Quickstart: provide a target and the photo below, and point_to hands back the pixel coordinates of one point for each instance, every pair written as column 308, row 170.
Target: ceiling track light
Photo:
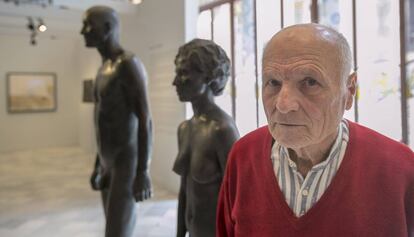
column 41, row 26
column 135, row 2
column 34, row 29
column 42, row 3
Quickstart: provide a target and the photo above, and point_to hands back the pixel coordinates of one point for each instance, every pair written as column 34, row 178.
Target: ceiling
column 62, row 17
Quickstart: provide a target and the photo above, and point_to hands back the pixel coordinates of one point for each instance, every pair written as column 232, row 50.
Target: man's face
column 304, row 95
column 189, row 81
column 93, row 31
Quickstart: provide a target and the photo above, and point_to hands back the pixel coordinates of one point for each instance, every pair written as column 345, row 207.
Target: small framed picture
column 88, row 88
column 31, row 92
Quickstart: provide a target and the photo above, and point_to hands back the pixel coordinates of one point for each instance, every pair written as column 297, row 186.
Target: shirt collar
column 281, row 152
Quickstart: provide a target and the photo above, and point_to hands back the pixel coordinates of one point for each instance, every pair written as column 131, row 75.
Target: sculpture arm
column 96, row 177
column 138, row 99
column 226, row 136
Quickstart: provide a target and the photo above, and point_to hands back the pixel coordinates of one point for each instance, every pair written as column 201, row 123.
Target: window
column 222, row 36
column 243, row 27
column 268, row 23
column 409, row 57
column 296, row 12
column 244, row 62
column 338, row 15
column 378, row 49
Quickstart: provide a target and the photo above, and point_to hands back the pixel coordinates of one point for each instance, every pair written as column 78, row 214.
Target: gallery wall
column 87, row 62
column 154, row 34
column 37, row 130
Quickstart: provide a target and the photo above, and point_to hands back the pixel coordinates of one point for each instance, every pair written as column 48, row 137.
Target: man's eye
column 309, row 81
column 274, row 83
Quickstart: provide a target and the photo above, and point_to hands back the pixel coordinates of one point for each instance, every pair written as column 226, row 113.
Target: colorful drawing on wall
column 31, row 92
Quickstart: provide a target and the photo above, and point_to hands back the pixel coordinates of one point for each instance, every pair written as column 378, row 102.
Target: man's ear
column 351, row 89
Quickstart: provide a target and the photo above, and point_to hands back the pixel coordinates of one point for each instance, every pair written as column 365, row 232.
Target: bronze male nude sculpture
column 202, row 70
column 122, row 124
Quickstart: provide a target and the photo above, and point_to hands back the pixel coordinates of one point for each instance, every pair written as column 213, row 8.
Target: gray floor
column 46, row 193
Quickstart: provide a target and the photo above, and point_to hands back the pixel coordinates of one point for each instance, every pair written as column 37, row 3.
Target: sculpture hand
column 142, row 186
column 95, row 180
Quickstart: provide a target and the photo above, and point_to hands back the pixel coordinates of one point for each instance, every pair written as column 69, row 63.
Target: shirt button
column 305, row 192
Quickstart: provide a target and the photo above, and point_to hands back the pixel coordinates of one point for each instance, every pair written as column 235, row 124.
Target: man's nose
column 287, row 100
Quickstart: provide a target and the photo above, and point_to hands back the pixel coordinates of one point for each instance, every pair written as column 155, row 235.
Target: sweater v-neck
column 330, row 193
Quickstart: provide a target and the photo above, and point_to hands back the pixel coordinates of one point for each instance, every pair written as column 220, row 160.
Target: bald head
column 330, row 44
column 100, row 26
column 103, row 14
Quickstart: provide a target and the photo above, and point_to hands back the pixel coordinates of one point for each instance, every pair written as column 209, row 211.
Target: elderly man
column 122, row 124
column 310, row 172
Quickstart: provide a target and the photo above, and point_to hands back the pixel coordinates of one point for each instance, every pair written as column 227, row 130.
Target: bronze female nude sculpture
column 202, row 70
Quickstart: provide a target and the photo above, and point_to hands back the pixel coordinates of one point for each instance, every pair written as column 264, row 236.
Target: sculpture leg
column 121, row 209
column 204, row 205
column 104, row 196
column 181, row 227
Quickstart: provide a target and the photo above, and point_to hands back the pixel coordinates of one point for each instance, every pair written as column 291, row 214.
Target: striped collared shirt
column 302, row 193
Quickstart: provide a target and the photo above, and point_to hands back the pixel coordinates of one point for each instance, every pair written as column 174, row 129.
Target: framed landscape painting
column 31, row 92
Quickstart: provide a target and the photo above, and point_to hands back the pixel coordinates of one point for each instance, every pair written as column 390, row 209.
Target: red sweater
column 371, row 195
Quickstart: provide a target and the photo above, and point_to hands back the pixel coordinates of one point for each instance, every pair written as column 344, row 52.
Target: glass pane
column 410, row 68
column 268, row 23
column 245, row 66
column 204, row 2
column 203, row 32
column 221, row 35
column 338, row 15
column 378, row 73
column 296, row 12
column 410, row 95
column 204, row 25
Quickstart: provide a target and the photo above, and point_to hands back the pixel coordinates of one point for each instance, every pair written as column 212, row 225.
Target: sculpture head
column 100, row 25
column 202, row 67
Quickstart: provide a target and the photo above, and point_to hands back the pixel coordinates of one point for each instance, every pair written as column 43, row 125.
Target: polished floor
column 46, row 193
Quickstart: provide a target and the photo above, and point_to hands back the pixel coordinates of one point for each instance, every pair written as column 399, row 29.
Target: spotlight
column 41, row 27
column 136, row 2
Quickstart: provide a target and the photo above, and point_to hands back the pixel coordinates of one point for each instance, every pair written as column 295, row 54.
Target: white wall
column 37, row 130
column 155, row 34
column 88, row 61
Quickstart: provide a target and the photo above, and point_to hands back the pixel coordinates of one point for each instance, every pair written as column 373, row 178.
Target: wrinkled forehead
column 306, row 41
